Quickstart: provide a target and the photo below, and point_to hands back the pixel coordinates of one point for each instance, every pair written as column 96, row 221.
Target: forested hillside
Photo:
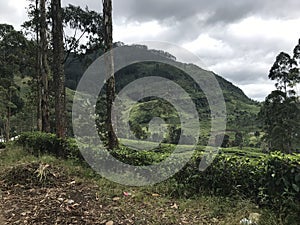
column 241, row 111
column 84, row 140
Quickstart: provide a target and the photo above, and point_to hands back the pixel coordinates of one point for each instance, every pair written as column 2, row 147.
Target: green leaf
column 286, row 183
column 297, row 178
column 296, row 188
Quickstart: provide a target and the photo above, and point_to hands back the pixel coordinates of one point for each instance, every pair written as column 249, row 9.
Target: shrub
column 2, row 145
column 38, row 143
column 272, row 180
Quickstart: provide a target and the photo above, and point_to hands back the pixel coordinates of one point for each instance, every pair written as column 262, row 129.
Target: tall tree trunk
column 58, row 69
column 7, row 125
column 109, row 67
column 8, row 114
column 37, row 68
column 44, row 69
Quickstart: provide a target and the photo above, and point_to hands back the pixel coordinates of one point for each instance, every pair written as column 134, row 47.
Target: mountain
column 241, row 111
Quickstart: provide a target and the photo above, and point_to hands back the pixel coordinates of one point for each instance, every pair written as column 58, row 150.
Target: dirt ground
column 43, row 194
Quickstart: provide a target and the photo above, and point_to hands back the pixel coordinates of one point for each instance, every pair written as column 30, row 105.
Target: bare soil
column 44, row 194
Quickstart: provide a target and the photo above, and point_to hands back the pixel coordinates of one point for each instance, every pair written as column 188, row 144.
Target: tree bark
column 44, row 69
column 58, row 69
column 7, row 125
column 109, row 67
column 38, row 73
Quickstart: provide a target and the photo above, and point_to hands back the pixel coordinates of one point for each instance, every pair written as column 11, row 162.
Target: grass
column 151, row 204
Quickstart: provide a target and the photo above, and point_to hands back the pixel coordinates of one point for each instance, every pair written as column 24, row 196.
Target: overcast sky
column 237, row 39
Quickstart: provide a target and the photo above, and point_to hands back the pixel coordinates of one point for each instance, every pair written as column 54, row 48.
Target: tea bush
column 272, row 180
column 2, row 145
column 38, row 143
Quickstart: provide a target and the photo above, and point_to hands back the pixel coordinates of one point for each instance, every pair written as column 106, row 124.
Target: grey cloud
column 187, row 19
column 242, row 74
column 224, row 11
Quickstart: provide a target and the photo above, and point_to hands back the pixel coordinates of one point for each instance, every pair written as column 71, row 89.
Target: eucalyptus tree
column 44, row 68
column 280, row 111
column 14, row 58
column 110, row 91
column 68, row 27
column 58, row 68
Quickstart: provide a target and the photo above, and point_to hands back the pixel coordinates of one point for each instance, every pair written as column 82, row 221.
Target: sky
column 239, row 40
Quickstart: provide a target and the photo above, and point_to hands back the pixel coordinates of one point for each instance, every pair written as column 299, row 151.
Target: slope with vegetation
column 70, row 192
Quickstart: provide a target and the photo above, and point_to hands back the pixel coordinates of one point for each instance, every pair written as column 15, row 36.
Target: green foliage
column 281, row 121
column 39, row 143
column 222, row 140
column 15, row 56
column 281, row 110
column 238, row 140
column 241, row 111
column 173, row 134
column 141, row 158
column 285, row 72
column 2, row 145
column 272, row 180
column 86, row 21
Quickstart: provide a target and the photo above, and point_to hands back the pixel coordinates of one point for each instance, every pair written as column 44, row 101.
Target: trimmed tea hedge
column 39, row 143
column 272, row 180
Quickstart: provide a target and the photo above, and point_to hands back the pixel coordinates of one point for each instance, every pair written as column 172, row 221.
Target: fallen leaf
column 110, row 223
column 126, row 193
column 74, row 206
column 215, row 220
column 116, row 199
column 155, row 195
column 70, row 201
column 175, row 206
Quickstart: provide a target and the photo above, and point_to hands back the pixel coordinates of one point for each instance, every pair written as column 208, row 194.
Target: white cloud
column 136, row 32
column 258, row 91
column 13, row 12
column 253, row 27
column 206, row 46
